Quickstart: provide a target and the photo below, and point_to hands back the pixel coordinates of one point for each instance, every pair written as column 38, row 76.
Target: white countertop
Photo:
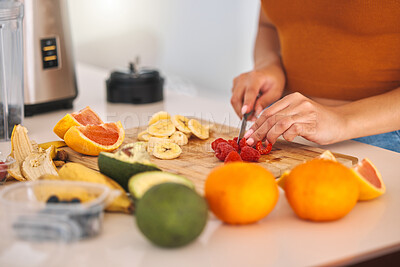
column 281, row 239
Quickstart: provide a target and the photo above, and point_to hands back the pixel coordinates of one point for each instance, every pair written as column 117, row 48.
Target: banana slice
column 161, row 128
column 166, row 151
column 179, row 138
column 198, row 130
column 161, row 115
column 156, row 140
column 181, row 123
column 143, row 136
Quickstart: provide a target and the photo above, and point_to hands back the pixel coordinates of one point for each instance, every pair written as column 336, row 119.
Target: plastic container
column 5, row 163
column 11, row 67
column 27, row 216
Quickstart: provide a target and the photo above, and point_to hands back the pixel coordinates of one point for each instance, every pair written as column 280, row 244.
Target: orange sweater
column 338, row 49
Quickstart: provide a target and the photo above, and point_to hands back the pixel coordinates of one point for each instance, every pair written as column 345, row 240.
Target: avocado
column 131, row 159
column 140, row 183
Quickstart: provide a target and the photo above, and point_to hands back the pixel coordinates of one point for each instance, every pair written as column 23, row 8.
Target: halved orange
column 93, row 139
column 83, row 117
column 369, row 180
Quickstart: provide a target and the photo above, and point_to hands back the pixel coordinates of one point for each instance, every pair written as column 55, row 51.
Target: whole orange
column 321, row 190
column 241, row 193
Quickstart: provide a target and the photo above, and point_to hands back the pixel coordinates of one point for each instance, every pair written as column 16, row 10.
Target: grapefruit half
column 93, row 139
column 83, row 117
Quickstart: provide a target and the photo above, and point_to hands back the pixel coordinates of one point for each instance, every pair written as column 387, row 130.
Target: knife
column 243, row 125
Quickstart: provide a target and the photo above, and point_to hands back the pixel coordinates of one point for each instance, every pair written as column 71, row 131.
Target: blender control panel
column 49, row 53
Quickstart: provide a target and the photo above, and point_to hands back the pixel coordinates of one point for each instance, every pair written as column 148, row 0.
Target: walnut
column 62, row 155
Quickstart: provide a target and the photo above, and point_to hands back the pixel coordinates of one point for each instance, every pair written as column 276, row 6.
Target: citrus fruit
column 369, row 180
column 93, row 139
column 321, row 190
column 83, row 117
column 171, row 215
column 282, row 179
column 241, row 193
column 141, row 182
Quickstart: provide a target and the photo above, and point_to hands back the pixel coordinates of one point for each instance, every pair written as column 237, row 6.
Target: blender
column 11, row 72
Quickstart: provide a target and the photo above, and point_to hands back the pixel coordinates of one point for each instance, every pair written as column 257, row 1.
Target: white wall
column 205, row 41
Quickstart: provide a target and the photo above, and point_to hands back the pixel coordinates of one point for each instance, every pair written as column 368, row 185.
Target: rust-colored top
column 341, row 49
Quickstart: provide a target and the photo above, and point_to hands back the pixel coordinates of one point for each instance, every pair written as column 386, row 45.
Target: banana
column 37, row 164
column 144, row 136
column 21, row 147
column 56, row 144
column 181, row 123
column 179, row 138
column 78, row 172
column 155, row 140
column 166, row 151
column 162, row 128
column 44, row 192
column 161, row 115
column 198, row 129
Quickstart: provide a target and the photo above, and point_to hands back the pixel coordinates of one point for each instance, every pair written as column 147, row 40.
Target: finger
column 263, row 126
column 237, row 99
column 278, row 107
column 298, row 129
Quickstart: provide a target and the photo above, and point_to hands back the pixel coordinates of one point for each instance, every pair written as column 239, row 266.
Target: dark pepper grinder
column 135, row 86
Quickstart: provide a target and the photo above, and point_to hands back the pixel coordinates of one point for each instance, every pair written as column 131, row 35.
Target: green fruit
column 171, row 215
column 130, row 160
column 140, row 183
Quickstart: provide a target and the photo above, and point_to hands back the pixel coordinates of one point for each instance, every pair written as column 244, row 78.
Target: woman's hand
column 296, row 115
column 269, row 82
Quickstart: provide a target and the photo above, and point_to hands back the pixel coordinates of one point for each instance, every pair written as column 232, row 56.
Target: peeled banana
column 181, row 123
column 162, row 128
column 78, row 172
column 198, row 129
column 38, row 164
column 144, row 136
column 166, row 150
column 179, row 138
column 161, row 115
column 156, row 140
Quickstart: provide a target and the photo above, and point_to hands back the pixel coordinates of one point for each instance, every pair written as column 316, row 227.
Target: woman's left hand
column 296, row 115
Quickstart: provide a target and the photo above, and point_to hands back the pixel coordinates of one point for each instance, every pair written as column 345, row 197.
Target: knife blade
column 243, row 126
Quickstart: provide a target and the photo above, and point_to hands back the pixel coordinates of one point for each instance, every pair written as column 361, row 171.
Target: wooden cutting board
column 197, row 158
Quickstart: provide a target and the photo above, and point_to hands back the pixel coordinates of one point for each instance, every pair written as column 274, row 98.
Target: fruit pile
column 230, row 150
column 318, row 190
column 166, row 134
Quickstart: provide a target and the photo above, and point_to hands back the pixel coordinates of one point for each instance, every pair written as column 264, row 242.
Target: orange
column 93, row 139
column 321, row 190
column 83, row 117
column 369, row 180
column 241, row 193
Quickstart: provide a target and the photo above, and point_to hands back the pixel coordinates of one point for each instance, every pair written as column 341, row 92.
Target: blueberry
column 75, row 200
column 53, row 199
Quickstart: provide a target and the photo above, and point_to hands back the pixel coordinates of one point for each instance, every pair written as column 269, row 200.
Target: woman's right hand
column 268, row 82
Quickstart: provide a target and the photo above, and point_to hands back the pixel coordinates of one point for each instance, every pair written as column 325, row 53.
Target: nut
column 62, row 155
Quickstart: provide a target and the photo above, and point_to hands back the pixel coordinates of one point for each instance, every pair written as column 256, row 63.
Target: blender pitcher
column 11, row 68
